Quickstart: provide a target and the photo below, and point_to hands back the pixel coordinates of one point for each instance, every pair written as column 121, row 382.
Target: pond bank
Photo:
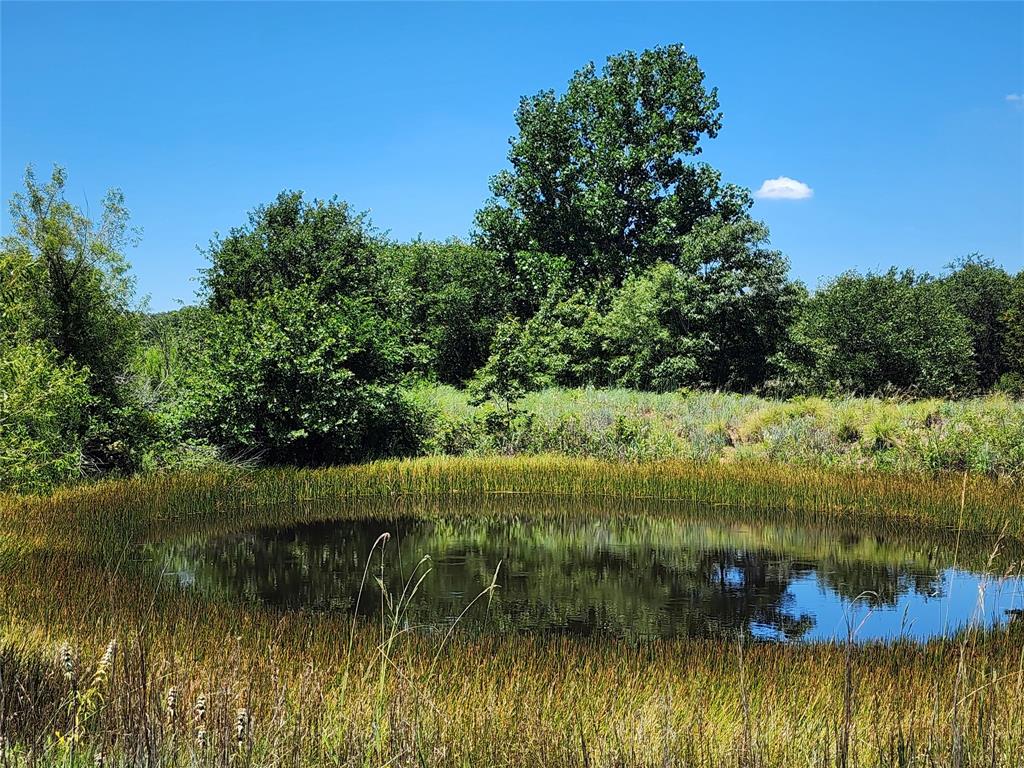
column 126, row 507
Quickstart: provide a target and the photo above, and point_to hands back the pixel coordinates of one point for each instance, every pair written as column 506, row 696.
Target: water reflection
column 620, row 576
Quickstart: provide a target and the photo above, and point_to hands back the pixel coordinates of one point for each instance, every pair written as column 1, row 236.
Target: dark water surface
column 617, row 576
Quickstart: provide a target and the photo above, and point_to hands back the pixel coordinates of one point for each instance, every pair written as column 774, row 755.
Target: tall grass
column 982, row 436
column 513, row 701
column 118, row 510
column 192, row 682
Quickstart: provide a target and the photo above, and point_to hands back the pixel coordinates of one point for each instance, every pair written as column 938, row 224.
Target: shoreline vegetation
column 100, row 663
column 962, row 502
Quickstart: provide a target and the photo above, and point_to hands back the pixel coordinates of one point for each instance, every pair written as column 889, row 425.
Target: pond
column 615, row 576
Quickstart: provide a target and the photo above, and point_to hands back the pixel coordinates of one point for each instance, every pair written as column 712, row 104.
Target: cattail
column 201, row 707
column 67, row 661
column 241, row 725
column 172, row 704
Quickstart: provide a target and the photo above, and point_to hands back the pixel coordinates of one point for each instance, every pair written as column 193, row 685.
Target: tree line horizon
column 607, row 256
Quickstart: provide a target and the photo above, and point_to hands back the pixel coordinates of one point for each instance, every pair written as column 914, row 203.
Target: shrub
column 43, row 405
column 292, row 379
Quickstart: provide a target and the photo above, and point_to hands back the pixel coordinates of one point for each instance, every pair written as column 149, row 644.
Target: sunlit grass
column 982, row 436
column 274, row 686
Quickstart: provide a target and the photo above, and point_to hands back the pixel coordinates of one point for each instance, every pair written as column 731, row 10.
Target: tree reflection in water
column 622, row 577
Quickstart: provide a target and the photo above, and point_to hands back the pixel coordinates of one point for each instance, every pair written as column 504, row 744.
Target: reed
column 194, row 682
column 120, row 508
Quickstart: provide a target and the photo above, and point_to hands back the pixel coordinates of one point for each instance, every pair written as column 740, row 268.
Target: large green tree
column 68, row 308
column 602, row 174
column 980, row 290
column 303, row 354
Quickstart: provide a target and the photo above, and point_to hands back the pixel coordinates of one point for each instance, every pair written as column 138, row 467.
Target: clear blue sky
column 906, row 120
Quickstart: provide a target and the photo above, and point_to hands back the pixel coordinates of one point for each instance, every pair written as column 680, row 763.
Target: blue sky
column 899, row 117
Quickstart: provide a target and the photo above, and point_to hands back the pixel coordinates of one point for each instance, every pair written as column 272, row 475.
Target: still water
column 616, row 576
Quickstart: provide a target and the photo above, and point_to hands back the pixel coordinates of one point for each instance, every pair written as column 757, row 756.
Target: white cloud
column 784, row 188
column 1015, row 97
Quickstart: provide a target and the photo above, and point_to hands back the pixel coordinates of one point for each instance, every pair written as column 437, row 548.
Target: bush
column 866, row 334
column 292, row 379
column 43, row 405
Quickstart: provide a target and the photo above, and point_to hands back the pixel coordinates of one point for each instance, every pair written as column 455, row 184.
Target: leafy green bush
column 293, row 379
column 302, row 355
column 865, row 334
column 43, row 410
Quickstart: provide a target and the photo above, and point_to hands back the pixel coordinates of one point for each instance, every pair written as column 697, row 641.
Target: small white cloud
column 784, row 188
column 1015, row 97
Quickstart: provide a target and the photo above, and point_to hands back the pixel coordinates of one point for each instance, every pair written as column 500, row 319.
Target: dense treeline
column 608, row 256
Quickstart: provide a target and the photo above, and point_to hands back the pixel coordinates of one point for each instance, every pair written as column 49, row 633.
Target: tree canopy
column 865, row 334
column 599, row 174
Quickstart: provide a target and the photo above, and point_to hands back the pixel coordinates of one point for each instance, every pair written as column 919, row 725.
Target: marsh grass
column 128, row 511
column 257, row 686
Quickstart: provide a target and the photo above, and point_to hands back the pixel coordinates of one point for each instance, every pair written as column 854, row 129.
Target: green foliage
column 67, row 309
column 289, row 243
column 875, row 332
column 713, row 322
column 656, row 331
column 167, row 374
column 76, row 290
column 293, row 379
column 599, row 174
column 511, row 370
column 565, row 338
column 600, row 178
column 980, row 291
column 451, row 297
column 1013, row 319
column 532, row 278
column 43, row 407
column 745, row 296
column 302, row 361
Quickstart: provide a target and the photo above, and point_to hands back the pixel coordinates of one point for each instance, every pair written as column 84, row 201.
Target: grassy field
column 981, row 436
column 100, row 662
